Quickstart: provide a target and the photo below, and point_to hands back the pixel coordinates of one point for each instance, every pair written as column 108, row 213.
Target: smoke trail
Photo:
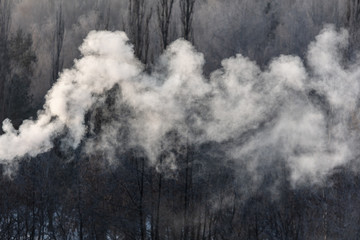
column 303, row 116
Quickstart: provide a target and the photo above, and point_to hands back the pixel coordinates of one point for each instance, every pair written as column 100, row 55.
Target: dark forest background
column 67, row 194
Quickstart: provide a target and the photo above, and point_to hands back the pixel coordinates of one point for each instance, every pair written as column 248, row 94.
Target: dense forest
column 179, row 119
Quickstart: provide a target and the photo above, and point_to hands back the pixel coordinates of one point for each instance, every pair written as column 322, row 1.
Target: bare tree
column 138, row 27
column 187, row 12
column 103, row 7
column 58, row 41
column 353, row 13
column 164, row 11
column 5, row 15
column 353, row 21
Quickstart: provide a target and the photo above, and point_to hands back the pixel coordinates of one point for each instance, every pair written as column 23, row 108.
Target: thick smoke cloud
column 302, row 114
column 107, row 59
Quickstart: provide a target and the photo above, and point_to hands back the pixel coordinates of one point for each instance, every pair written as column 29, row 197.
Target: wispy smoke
column 302, row 114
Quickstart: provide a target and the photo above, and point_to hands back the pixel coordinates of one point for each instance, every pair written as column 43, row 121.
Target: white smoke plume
column 303, row 114
column 107, row 59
